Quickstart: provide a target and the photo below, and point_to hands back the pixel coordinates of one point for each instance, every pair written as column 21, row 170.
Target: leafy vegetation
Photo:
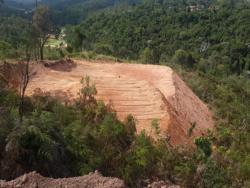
column 166, row 28
column 67, row 11
column 207, row 42
column 12, row 33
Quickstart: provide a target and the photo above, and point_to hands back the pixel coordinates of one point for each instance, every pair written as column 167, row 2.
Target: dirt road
column 147, row 92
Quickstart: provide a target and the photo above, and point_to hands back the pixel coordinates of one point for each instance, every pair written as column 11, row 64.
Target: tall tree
column 28, row 41
column 43, row 25
column 24, row 81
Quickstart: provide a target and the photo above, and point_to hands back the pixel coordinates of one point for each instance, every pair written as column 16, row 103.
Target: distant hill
column 14, row 8
column 75, row 11
column 67, row 11
column 23, row 1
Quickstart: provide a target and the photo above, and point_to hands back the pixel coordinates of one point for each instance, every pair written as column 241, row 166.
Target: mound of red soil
column 35, row 180
column 148, row 92
column 62, row 65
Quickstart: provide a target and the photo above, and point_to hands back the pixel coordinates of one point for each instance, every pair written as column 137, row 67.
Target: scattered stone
column 24, row 179
column 162, row 184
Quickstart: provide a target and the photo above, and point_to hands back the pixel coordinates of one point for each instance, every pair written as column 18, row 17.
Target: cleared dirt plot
column 148, row 92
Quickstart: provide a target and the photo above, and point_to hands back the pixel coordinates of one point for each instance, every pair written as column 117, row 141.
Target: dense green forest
column 66, row 12
column 207, row 42
column 75, row 11
column 163, row 28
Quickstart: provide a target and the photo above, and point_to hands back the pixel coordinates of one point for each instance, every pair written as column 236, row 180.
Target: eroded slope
column 147, row 92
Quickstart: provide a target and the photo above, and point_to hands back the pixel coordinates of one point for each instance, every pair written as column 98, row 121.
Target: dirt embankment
column 35, row 180
column 92, row 180
column 148, row 92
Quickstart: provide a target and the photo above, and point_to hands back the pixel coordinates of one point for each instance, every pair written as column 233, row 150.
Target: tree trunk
column 41, row 53
column 43, row 42
column 21, row 109
column 25, row 77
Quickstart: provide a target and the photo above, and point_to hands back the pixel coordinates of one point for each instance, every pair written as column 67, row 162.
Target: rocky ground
column 92, row 180
column 35, row 180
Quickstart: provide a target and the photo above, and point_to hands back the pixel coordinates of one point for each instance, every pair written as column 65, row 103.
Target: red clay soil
column 34, row 180
column 147, row 92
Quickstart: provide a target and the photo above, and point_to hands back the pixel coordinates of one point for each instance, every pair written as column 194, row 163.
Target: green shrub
column 53, row 53
column 214, row 176
column 6, row 50
column 183, row 58
column 149, row 56
column 204, row 145
column 103, row 49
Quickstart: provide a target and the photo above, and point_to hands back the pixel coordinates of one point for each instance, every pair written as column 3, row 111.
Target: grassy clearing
column 55, row 43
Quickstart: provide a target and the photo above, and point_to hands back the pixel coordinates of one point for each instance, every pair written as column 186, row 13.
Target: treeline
column 65, row 12
column 43, row 22
column 205, row 31
column 73, row 12
column 19, row 36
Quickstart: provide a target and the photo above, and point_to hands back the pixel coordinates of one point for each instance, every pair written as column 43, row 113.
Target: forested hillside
column 72, row 12
column 207, row 42
column 211, row 31
column 66, row 11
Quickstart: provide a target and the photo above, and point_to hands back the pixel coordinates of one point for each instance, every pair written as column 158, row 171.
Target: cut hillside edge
column 147, row 92
column 187, row 110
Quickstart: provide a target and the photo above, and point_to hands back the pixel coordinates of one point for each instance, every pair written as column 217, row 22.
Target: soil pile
column 35, row 180
column 61, row 65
